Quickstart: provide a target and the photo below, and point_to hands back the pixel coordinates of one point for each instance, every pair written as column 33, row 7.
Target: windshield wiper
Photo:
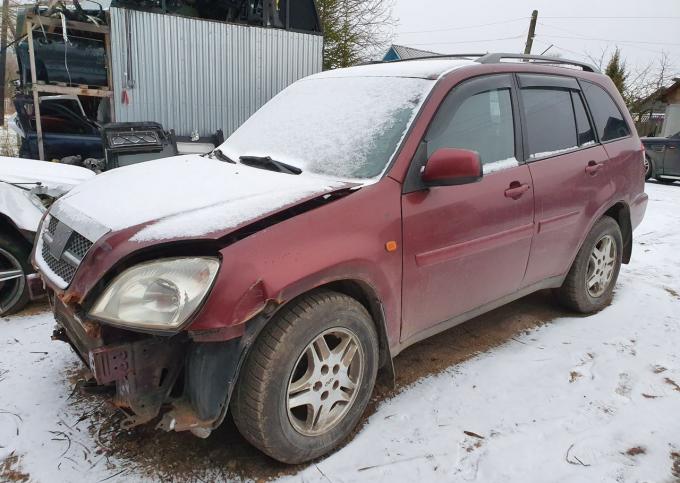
column 217, row 153
column 265, row 162
column 22, row 185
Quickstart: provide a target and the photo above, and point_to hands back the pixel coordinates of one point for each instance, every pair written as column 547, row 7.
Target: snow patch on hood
column 56, row 178
column 188, row 196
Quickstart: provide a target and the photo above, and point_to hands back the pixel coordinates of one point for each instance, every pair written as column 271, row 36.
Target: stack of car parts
column 127, row 143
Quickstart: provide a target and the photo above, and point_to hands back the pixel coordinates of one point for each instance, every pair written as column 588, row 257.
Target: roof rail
column 539, row 59
column 496, row 58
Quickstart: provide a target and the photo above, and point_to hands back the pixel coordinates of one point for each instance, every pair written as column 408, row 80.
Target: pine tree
column 616, row 70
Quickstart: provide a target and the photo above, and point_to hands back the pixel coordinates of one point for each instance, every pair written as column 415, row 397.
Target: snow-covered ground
column 579, row 399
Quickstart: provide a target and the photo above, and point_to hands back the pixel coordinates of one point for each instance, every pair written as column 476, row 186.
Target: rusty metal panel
column 198, row 75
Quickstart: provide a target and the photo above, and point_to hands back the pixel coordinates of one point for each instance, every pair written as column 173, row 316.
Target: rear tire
column 14, row 266
column 308, row 377
column 649, row 167
column 589, row 286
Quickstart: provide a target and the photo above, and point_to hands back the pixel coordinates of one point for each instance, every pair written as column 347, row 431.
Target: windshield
column 347, row 127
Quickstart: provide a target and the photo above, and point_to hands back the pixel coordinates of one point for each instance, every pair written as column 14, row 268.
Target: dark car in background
column 662, row 158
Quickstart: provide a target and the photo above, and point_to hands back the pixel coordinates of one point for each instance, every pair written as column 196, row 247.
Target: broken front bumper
column 188, row 382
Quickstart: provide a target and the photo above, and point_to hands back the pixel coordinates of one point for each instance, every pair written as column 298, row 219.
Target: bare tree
column 598, row 60
column 640, row 82
column 354, row 30
column 644, row 91
column 643, row 87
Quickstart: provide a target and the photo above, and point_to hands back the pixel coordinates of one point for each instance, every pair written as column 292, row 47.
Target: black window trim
column 548, row 81
column 503, row 80
column 555, row 86
column 592, row 118
column 589, row 117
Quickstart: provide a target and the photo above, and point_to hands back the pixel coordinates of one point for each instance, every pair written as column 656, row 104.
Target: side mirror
column 452, row 166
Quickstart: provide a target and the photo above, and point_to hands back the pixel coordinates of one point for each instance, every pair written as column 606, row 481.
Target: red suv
column 358, row 212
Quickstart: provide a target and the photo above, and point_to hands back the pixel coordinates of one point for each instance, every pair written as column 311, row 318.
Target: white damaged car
column 27, row 188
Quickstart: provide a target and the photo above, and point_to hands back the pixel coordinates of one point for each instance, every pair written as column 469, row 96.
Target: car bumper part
column 36, row 288
column 187, row 383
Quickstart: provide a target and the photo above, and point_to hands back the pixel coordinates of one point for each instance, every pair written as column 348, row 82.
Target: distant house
column 401, row 52
column 659, row 113
column 671, row 123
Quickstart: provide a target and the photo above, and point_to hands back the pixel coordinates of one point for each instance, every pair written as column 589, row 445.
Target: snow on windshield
column 342, row 127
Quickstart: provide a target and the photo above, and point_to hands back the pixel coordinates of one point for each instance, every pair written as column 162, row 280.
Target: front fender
column 339, row 241
column 17, row 207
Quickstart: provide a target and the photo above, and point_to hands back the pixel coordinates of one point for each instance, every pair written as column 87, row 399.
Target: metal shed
column 194, row 75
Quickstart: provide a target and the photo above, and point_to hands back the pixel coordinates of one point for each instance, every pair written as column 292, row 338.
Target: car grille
column 74, row 251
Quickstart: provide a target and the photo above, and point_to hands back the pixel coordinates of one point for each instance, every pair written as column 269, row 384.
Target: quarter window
column 482, row 122
column 608, row 119
column 551, row 127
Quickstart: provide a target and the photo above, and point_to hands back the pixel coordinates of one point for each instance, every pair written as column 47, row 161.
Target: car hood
column 55, row 179
column 184, row 197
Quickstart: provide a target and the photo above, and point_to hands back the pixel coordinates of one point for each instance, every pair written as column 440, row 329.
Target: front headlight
column 160, row 295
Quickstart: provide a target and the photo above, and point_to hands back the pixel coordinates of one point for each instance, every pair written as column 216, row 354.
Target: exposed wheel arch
column 218, row 402
column 620, row 212
column 366, row 296
column 7, row 226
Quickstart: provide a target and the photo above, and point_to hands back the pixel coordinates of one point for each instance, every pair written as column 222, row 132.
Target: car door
column 569, row 171
column 467, row 245
column 671, row 156
column 65, row 133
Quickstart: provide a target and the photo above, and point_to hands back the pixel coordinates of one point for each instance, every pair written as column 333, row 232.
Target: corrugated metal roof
column 410, row 53
column 191, row 74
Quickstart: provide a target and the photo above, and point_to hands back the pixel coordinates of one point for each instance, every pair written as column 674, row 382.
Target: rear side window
column 483, row 123
column 551, row 127
column 608, row 119
column 584, row 131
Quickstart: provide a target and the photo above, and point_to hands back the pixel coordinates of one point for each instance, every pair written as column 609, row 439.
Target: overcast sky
column 642, row 30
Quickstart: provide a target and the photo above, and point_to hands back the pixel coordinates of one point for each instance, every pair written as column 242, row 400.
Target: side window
column 608, row 119
column 482, row 122
column 584, row 131
column 551, row 127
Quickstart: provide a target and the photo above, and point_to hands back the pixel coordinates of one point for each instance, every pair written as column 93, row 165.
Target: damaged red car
column 358, row 212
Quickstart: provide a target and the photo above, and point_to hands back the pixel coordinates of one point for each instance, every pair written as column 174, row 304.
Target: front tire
column 589, row 286
column 308, row 377
column 14, row 266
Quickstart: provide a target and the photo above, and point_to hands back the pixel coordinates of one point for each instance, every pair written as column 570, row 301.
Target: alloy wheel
column 12, row 281
column 601, row 266
column 325, row 381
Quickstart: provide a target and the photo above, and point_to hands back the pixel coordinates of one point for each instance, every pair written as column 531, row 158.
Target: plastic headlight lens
column 158, row 295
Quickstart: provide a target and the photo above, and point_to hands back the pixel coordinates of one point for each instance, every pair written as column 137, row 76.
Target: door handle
column 516, row 190
column 593, row 167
